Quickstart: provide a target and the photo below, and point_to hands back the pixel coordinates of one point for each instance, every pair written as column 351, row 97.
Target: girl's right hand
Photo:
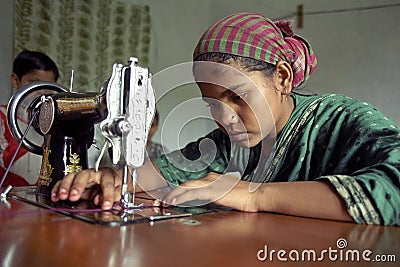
column 103, row 187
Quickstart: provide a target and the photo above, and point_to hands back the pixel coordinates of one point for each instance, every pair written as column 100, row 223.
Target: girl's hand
column 103, row 187
column 227, row 190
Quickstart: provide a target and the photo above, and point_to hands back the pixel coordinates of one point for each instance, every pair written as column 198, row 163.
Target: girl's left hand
column 227, row 190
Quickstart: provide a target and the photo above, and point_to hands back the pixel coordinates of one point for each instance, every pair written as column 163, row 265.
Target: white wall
column 358, row 52
column 6, row 49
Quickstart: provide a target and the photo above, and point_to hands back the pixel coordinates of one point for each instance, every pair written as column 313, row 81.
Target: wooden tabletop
column 34, row 236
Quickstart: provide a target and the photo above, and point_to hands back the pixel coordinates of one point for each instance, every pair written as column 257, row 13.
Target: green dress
column 327, row 137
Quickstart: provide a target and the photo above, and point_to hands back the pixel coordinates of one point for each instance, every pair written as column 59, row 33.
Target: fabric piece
column 328, row 137
column 255, row 36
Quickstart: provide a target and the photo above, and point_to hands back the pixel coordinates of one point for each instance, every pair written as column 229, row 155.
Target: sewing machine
column 124, row 109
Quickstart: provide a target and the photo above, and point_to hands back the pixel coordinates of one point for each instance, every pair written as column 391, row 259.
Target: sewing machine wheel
column 20, row 110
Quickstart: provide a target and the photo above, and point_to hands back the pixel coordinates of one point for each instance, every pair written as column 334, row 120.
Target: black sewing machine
column 124, row 108
column 66, row 121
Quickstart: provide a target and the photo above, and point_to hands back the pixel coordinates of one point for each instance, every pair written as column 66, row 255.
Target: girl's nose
column 228, row 116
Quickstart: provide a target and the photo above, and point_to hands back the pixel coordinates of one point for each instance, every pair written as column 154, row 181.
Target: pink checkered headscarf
column 255, row 36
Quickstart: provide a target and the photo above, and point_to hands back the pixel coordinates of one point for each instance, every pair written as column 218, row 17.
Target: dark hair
column 156, row 116
column 248, row 64
column 26, row 61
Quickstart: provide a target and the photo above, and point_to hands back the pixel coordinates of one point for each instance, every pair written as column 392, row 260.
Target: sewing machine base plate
column 88, row 212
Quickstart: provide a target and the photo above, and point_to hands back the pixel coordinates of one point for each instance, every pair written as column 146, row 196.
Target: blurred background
column 357, row 45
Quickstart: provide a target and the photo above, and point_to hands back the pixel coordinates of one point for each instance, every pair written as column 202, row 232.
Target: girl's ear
column 283, row 77
column 14, row 81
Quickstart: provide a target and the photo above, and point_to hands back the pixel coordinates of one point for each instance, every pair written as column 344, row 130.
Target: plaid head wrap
column 255, row 36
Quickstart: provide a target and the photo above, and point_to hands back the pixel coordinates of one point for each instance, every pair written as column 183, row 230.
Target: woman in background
column 321, row 156
column 28, row 66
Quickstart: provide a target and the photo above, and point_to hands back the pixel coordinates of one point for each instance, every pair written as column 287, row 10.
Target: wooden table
column 33, row 236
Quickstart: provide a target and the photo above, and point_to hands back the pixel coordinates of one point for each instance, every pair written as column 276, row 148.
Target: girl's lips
column 236, row 137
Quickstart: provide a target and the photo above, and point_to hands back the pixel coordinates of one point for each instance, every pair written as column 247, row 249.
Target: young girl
column 28, row 66
column 320, row 156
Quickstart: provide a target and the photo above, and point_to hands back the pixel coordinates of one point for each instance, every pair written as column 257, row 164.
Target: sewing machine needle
column 72, row 81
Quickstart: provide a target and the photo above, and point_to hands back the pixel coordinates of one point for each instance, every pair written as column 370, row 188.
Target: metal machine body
column 131, row 107
column 124, row 107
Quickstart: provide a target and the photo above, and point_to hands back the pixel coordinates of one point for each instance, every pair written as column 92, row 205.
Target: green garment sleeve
column 195, row 160
column 371, row 186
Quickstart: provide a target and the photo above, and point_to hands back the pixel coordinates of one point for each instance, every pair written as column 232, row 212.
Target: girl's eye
column 211, row 104
column 239, row 97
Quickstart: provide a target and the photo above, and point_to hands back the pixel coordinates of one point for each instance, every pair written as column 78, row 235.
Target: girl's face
column 246, row 105
column 32, row 76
